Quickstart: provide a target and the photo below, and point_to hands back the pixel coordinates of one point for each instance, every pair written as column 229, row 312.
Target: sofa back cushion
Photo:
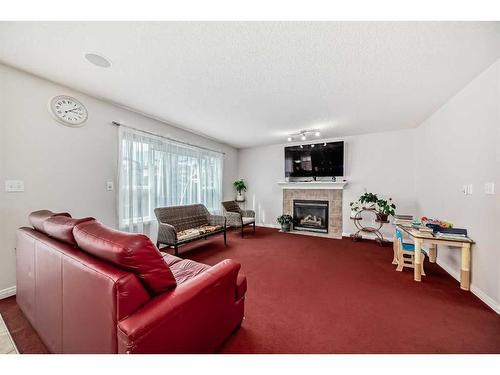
column 61, row 228
column 183, row 217
column 231, row 206
column 37, row 218
column 130, row 251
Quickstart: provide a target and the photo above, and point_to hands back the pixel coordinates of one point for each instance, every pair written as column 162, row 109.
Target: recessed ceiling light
column 98, row 60
column 317, row 134
column 303, row 137
column 290, row 139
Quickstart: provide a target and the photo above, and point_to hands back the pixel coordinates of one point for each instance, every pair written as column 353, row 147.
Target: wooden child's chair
column 404, row 253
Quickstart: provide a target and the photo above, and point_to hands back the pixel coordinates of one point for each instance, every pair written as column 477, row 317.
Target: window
column 156, row 172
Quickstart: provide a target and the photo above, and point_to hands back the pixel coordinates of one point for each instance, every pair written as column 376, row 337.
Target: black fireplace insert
column 310, row 215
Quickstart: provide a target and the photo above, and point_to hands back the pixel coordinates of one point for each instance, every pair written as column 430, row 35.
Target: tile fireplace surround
column 334, row 198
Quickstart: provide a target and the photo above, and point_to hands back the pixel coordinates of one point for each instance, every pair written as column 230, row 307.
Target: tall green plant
column 240, row 186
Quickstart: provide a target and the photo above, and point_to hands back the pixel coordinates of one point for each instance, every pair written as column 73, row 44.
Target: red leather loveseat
column 87, row 288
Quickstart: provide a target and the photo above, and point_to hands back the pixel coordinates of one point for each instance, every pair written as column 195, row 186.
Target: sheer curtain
column 156, row 172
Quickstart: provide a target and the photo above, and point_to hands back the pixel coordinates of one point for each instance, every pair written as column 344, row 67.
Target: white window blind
column 156, row 172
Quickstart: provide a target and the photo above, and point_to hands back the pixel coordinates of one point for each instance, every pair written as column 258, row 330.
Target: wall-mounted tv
column 315, row 160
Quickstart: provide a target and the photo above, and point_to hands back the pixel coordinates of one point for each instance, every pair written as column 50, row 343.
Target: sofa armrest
column 186, row 318
column 217, row 220
column 248, row 213
column 167, row 234
column 234, row 219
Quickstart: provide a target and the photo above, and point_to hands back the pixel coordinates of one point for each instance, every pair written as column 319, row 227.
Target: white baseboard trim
column 485, row 298
column 8, row 292
column 494, row 305
column 275, row 226
column 344, row 234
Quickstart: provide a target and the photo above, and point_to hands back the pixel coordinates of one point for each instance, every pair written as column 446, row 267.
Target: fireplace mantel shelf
column 313, row 185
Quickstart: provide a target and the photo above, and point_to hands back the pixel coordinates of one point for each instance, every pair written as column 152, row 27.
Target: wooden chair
column 404, row 253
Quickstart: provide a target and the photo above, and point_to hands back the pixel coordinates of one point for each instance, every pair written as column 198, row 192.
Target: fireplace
column 310, row 215
column 316, row 191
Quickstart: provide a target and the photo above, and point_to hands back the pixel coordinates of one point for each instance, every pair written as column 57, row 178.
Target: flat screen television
column 316, row 160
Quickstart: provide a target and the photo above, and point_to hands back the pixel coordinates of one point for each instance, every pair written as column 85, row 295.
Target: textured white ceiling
column 251, row 83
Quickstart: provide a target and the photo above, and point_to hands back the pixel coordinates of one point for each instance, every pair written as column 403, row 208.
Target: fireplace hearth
column 310, row 215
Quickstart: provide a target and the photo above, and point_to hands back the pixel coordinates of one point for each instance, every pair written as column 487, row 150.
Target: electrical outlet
column 14, row 186
column 489, row 188
column 110, row 186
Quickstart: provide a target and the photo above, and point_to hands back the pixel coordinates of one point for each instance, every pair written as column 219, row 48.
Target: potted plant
column 385, row 208
column 369, row 200
column 355, row 207
column 240, row 187
column 285, row 221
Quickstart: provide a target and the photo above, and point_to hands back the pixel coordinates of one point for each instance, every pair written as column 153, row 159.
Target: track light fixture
column 302, row 135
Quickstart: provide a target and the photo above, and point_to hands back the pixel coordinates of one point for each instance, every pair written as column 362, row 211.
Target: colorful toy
column 442, row 223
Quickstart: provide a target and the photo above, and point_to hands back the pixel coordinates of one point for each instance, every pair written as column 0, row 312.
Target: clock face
column 68, row 110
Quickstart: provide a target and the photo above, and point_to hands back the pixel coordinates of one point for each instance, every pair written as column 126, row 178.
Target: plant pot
column 382, row 217
column 240, row 197
column 285, row 227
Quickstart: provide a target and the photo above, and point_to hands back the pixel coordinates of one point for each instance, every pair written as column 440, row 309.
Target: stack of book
column 452, row 233
column 449, row 236
column 404, row 220
column 423, row 228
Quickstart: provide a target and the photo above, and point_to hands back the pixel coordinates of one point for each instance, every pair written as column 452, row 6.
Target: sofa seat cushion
column 171, row 259
column 197, row 232
column 247, row 220
column 187, row 269
column 61, row 227
column 130, row 251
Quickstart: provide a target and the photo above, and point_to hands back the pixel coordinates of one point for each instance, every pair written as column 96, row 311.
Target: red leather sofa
column 87, row 288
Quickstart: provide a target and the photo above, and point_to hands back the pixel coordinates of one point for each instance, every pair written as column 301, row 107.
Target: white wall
column 457, row 145
column 65, row 169
column 381, row 163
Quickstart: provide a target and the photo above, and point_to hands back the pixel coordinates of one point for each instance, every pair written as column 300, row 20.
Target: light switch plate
column 14, row 186
column 469, row 189
column 464, row 189
column 489, row 188
column 110, row 186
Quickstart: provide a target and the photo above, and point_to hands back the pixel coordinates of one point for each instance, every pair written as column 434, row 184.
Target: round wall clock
column 68, row 110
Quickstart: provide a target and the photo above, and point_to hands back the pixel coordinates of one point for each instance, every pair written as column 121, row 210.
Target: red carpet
column 315, row 295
